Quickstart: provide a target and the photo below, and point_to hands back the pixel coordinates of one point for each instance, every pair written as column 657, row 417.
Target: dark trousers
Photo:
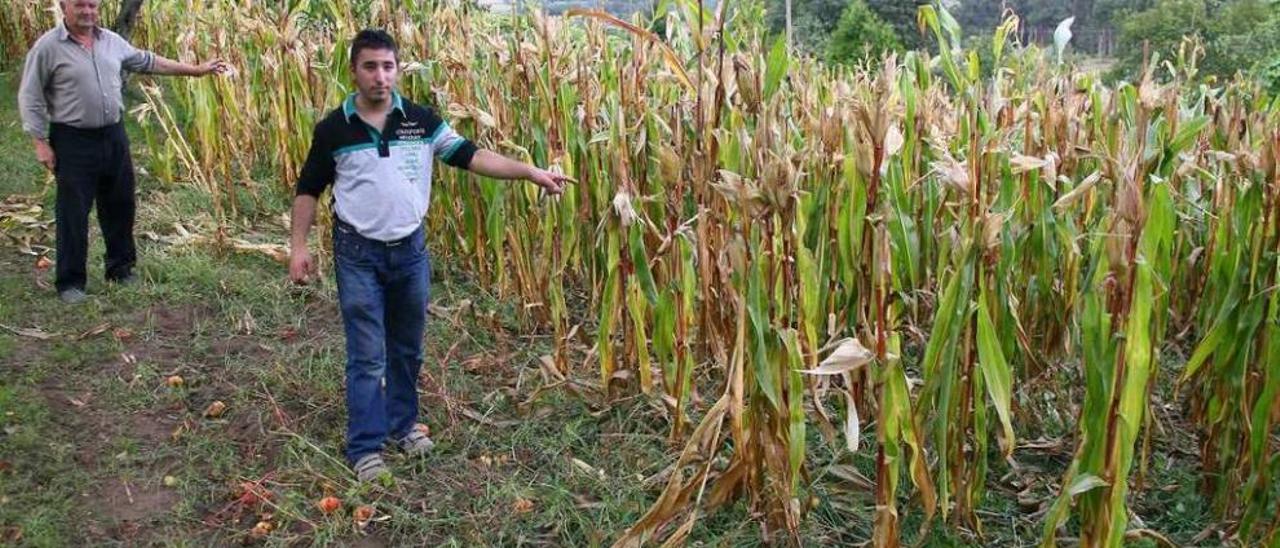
column 93, row 164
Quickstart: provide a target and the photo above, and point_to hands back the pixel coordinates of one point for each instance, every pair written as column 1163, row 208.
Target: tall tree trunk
column 128, row 15
column 788, row 26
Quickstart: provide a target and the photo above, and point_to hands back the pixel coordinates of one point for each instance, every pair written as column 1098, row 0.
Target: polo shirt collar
column 349, row 105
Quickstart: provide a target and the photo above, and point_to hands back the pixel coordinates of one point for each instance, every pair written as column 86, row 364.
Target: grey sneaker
column 415, row 443
column 370, row 468
column 72, row 296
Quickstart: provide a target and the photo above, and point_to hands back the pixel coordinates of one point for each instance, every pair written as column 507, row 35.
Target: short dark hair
column 373, row 39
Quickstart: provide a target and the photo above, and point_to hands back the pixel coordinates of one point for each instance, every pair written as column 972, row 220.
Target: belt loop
column 347, row 228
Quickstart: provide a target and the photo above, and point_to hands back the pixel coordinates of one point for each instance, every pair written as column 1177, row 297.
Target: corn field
column 917, row 256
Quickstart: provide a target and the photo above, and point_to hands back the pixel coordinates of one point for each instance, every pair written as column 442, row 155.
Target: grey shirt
column 65, row 83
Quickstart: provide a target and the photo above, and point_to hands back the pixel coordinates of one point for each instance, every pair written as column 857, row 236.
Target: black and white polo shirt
column 381, row 180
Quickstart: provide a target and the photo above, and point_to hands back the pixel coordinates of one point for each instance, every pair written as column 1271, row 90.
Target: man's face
column 80, row 14
column 376, row 72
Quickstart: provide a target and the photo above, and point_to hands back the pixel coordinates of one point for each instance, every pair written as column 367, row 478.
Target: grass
column 235, row 331
column 91, row 430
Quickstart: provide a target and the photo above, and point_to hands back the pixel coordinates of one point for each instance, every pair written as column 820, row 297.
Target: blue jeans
column 382, row 291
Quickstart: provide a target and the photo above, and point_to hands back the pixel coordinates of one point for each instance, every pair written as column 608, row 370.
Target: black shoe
column 129, row 279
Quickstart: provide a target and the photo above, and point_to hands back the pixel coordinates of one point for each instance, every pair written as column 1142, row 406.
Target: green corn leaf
column 775, row 68
column 995, row 371
column 641, row 262
column 1188, row 130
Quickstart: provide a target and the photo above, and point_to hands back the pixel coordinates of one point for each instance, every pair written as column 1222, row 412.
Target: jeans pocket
column 348, row 246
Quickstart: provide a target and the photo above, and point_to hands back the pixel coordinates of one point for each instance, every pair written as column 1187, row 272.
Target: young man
column 376, row 150
column 71, row 102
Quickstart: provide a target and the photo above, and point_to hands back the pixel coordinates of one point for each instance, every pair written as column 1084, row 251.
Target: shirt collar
column 349, row 105
column 65, row 34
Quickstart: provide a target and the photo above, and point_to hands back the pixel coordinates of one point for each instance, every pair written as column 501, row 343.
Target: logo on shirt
column 410, row 133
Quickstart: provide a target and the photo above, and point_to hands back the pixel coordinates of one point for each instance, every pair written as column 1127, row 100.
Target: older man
column 71, row 103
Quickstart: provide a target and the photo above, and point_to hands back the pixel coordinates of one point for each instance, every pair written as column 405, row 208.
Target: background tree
column 860, row 35
column 1097, row 22
column 901, row 15
column 813, row 21
column 127, row 16
column 1237, row 35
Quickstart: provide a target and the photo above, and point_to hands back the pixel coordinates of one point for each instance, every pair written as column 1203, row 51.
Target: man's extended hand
column 300, row 265
column 552, row 182
column 44, row 154
column 216, row 66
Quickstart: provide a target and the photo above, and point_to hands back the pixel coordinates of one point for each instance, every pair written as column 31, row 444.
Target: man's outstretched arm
column 166, row 66
column 492, row 164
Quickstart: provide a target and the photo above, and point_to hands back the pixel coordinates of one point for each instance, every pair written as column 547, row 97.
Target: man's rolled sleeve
column 453, row 149
column 136, row 60
column 33, row 108
column 320, row 168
